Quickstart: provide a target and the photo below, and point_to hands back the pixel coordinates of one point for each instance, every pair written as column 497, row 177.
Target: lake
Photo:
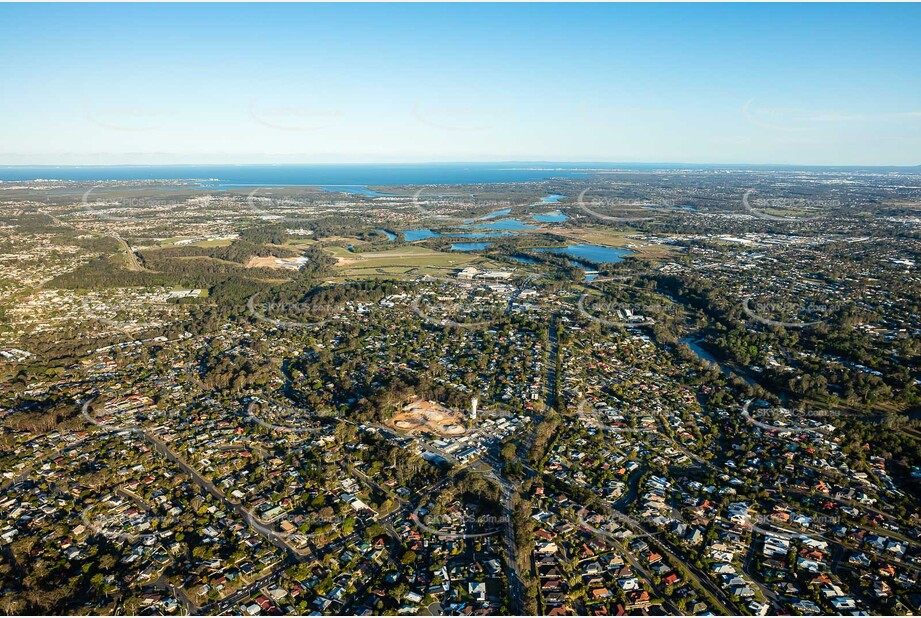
column 496, row 213
column 390, row 236
column 524, row 259
column 470, row 246
column 414, row 235
column 591, row 253
column 551, row 217
column 423, row 234
column 505, row 224
column 479, row 235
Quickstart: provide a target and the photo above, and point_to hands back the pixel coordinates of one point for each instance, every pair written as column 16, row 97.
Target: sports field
column 402, row 260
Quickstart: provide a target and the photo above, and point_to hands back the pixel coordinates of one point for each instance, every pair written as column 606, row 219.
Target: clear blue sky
column 762, row 83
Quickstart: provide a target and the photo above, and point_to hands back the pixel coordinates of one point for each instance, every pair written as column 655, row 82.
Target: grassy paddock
column 619, row 239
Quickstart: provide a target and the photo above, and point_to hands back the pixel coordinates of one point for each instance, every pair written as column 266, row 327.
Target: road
column 133, row 263
column 768, row 593
column 227, row 603
column 674, row 557
column 552, row 357
column 507, row 491
column 515, row 585
column 521, row 288
column 208, row 486
column 130, row 255
column 634, row 563
column 163, row 449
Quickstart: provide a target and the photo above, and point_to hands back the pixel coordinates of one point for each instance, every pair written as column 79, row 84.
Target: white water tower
column 473, row 404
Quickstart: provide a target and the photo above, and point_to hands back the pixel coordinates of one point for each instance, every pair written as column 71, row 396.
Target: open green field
column 405, row 261
column 168, row 242
column 213, row 243
column 400, row 256
column 619, row 239
column 295, row 242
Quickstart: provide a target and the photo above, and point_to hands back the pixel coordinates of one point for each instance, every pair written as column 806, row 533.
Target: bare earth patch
column 262, row 262
column 420, row 415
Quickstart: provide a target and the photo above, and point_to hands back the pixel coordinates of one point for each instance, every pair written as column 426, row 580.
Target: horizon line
column 461, row 162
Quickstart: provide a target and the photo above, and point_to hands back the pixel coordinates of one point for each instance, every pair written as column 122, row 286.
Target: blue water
column 390, row 236
column 553, row 198
column 704, row 355
column 470, row 246
column 479, row 235
column 363, row 175
column 592, row 253
column 497, row 213
column 524, row 260
column 414, row 235
column 422, row 234
column 333, row 176
column 551, row 217
column 357, row 189
column 505, row 224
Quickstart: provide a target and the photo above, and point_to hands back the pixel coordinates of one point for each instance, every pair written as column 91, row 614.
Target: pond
column 421, row 234
column 551, row 217
column 524, row 259
column 590, row 253
column 496, row 213
column 424, row 234
column 505, row 224
column 390, row 235
column 479, row 235
column 470, row 246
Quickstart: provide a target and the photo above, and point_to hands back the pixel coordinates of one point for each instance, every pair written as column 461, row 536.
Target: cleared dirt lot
column 420, row 415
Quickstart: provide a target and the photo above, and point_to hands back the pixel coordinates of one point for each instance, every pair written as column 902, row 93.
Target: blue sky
column 238, row 83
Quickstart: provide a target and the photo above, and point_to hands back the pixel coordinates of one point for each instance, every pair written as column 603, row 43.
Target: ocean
column 354, row 177
column 350, row 177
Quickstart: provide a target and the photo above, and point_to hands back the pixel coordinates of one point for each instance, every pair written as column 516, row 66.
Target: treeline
column 303, row 300
column 378, row 401
column 274, row 234
column 384, row 460
column 237, row 373
column 892, row 438
column 336, row 225
column 168, row 268
column 229, row 287
column 364, row 291
column 239, row 251
column 732, row 337
column 545, row 434
column 39, row 416
column 104, row 272
column 471, row 488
